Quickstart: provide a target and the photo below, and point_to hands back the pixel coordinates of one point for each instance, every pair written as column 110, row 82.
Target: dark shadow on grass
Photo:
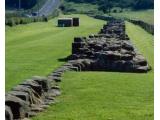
column 65, row 59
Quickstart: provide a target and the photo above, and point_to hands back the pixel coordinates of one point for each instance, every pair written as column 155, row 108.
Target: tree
column 105, row 6
column 143, row 4
column 25, row 4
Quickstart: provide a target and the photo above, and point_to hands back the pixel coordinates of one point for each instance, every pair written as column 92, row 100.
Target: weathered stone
column 42, row 81
column 73, row 57
column 79, row 39
column 26, row 119
column 31, row 114
column 56, row 79
column 127, row 47
column 18, row 107
column 22, row 95
column 56, row 74
column 34, row 85
column 109, row 50
column 142, row 69
column 74, row 68
column 126, row 57
column 8, row 113
column 33, row 97
column 37, row 109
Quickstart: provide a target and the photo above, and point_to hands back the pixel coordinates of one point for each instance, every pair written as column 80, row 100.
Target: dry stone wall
column 35, row 94
column 148, row 27
column 109, row 50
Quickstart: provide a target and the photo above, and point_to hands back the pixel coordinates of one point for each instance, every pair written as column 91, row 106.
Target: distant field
column 79, row 8
column 34, row 49
column 108, row 95
column 147, row 15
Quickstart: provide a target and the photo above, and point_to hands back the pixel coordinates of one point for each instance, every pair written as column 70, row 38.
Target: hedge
column 12, row 21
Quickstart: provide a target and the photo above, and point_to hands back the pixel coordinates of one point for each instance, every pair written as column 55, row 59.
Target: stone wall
column 109, row 50
column 35, row 94
column 149, row 28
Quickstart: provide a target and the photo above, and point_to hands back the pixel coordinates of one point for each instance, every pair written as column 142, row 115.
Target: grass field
column 147, row 15
column 34, row 49
column 107, row 95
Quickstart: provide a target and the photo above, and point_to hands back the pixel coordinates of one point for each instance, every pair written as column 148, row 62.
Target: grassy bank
column 146, row 15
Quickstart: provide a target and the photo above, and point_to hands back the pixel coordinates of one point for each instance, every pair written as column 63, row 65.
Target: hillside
column 102, row 4
column 116, row 8
column 107, row 4
column 144, row 15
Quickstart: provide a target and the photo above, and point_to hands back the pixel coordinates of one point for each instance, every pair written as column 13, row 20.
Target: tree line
column 105, row 5
column 23, row 4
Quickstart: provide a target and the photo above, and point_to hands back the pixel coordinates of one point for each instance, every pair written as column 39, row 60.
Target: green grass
column 108, row 95
column 103, row 96
column 145, row 15
column 34, row 49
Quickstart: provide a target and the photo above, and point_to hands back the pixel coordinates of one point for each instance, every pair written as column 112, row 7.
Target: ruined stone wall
column 149, row 28
column 35, row 95
column 109, row 50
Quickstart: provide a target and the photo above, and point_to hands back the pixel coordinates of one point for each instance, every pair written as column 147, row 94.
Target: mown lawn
column 108, row 95
column 145, row 15
column 34, row 49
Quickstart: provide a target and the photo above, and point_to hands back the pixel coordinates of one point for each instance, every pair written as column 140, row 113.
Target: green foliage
column 25, row 4
column 11, row 21
column 45, row 19
column 143, row 4
column 106, row 5
column 114, row 11
column 83, row 8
